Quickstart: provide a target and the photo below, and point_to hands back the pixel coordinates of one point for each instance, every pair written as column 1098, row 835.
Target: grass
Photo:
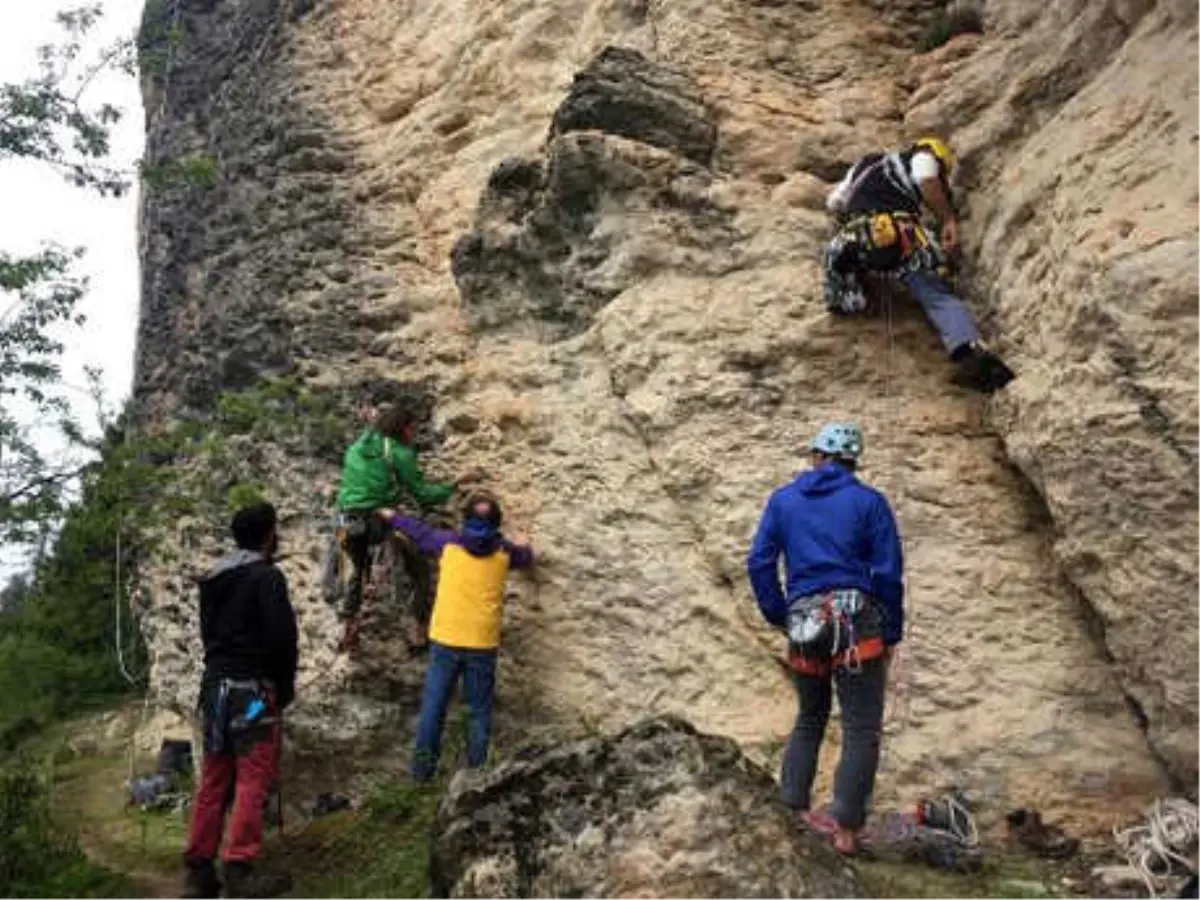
column 379, row 849
column 1000, row 876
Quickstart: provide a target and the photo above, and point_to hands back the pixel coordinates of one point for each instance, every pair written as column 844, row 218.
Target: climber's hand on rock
column 950, row 235
column 474, row 476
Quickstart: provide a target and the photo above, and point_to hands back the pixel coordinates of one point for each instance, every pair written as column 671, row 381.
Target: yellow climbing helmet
column 939, row 149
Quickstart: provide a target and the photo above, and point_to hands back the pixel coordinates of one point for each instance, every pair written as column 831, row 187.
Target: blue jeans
column 478, row 670
column 945, row 311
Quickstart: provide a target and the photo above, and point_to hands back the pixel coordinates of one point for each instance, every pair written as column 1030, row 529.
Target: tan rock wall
column 639, row 451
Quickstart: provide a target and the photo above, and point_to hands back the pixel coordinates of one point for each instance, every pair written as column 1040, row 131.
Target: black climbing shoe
column 981, row 370
column 242, row 879
column 200, row 879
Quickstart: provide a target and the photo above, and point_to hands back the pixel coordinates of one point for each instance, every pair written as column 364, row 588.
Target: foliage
column 47, row 119
column 199, row 170
column 282, row 410
column 37, row 857
column 380, row 851
column 58, row 650
column 958, row 18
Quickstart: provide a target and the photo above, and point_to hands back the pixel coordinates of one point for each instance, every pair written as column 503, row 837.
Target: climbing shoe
column 242, row 879
column 200, row 879
column 979, row 369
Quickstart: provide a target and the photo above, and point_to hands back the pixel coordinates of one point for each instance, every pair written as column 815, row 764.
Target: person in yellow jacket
column 464, row 632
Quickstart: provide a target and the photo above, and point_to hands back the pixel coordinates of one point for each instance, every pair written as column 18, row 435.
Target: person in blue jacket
column 843, row 611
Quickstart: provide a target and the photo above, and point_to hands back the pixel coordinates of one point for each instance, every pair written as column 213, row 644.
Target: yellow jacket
column 470, row 592
column 470, row 599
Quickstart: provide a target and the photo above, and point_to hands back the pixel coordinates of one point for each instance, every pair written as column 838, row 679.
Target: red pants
column 250, row 776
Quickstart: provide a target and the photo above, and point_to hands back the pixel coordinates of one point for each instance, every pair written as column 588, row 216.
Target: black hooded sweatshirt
column 247, row 623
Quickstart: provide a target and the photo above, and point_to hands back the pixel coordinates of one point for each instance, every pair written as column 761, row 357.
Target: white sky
column 39, row 205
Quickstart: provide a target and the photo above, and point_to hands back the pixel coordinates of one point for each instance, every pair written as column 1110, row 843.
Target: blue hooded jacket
column 834, row 532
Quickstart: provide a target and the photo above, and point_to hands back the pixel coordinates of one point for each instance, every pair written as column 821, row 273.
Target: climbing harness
column 1166, row 841
column 822, row 634
column 886, row 244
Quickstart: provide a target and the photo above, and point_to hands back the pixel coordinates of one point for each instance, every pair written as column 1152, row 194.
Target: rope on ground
column 1169, row 836
column 962, row 823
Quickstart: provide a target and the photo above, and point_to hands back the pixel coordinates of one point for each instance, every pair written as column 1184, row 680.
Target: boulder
column 658, row 810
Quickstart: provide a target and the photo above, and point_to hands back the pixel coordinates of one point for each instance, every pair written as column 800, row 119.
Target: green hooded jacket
column 377, row 470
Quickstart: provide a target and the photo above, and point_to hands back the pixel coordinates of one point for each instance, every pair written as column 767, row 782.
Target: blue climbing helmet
column 843, row 440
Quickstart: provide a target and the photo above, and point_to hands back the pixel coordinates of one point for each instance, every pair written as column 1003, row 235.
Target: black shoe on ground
column 981, row 370
column 243, row 879
column 200, row 880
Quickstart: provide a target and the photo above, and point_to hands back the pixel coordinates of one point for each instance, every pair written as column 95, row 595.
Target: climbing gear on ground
column 245, row 879
column 200, row 880
column 823, row 633
column 1165, row 845
column 888, row 244
column 839, row 439
column 1025, row 826
column 950, row 813
column 939, row 149
column 979, row 369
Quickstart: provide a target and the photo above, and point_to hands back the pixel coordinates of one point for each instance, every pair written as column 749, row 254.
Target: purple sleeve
column 429, row 540
column 519, row 557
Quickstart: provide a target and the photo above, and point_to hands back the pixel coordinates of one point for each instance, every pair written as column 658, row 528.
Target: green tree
column 48, row 118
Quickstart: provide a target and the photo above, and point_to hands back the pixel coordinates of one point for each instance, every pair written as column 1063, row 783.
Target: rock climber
column 464, row 632
column 880, row 201
column 843, row 612
column 248, row 629
column 379, row 467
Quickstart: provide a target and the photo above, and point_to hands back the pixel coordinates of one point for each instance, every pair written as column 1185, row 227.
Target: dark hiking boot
column 1026, row 827
column 243, row 879
column 980, row 369
column 200, row 879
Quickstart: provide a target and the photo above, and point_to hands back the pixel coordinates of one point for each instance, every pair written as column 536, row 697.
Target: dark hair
column 393, row 418
column 845, row 461
column 485, row 507
column 252, row 525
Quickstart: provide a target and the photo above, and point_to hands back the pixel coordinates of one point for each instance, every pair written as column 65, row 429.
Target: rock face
column 608, row 285
column 659, row 810
column 1085, row 211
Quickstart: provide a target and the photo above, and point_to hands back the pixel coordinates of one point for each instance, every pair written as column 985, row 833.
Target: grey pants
column 860, row 696
column 945, row 311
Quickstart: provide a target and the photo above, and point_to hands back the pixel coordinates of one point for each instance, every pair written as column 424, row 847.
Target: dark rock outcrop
column 658, row 810
column 549, row 242
column 623, row 93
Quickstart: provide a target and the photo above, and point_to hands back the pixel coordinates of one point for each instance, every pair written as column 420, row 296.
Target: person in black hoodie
column 248, row 628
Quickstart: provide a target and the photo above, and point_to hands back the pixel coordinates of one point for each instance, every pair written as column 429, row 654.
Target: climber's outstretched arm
column 429, row 540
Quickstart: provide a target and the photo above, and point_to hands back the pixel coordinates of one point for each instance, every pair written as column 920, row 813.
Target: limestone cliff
column 588, row 232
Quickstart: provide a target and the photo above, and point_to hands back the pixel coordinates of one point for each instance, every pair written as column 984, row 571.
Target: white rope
column 1168, row 836
column 962, row 823
column 117, row 614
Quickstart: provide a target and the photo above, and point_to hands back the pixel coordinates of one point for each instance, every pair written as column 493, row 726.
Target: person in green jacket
column 378, row 470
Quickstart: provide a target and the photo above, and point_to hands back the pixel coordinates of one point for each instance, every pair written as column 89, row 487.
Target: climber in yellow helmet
column 880, row 202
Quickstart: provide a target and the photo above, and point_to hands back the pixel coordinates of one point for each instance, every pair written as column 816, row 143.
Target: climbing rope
column 1168, row 836
column 961, row 822
column 117, row 614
